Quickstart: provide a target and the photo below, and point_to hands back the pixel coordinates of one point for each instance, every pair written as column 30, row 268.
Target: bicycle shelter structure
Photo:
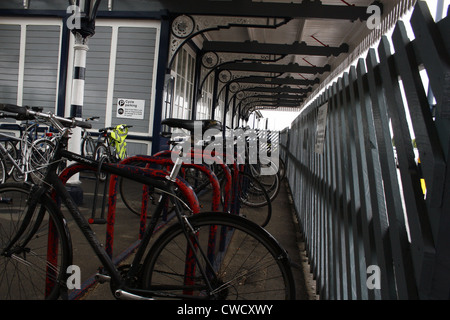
column 368, row 156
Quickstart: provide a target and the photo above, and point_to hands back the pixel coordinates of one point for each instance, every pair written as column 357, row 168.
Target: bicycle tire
column 3, row 173
column 282, row 169
column 102, row 154
column 253, row 266
column 271, row 183
column 255, row 203
column 41, row 153
column 28, row 273
column 12, row 150
column 88, row 147
column 132, row 193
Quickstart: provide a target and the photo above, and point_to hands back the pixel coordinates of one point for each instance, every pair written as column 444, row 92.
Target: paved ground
column 283, row 226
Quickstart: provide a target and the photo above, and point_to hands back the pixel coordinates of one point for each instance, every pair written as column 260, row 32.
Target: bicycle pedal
column 123, row 295
column 102, row 278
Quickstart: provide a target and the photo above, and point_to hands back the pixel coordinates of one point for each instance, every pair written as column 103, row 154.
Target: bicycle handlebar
column 112, row 128
column 24, row 113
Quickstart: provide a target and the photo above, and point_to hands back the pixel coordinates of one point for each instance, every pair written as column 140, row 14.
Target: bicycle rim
column 41, row 151
column 101, row 154
column 247, row 262
column 255, row 203
column 88, row 147
column 11, row 149
column 35, row 266
column 3, row 173
column 138, row 197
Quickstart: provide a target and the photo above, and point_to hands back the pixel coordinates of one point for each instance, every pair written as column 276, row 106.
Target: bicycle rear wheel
column 243, row 261
column 136, row 196
column 3, row 173
column 255, row 203
column 270, row 179
column 102, row 154
column 88, row 147
column 35, row 266
column 11, row 149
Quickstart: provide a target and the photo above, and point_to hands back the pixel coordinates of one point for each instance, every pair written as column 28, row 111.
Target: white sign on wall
column 321, row 129
column 130, row 108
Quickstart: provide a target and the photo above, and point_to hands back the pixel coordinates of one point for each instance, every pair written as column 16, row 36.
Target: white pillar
column 77, row 99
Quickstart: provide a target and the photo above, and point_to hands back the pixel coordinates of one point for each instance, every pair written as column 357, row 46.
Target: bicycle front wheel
column 234, row 259
column 33, row 266
column 41, row 151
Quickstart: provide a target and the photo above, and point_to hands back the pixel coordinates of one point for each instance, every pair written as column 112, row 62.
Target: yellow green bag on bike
column 118, row 136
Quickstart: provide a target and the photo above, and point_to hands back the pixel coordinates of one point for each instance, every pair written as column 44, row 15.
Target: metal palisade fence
column 368, row 168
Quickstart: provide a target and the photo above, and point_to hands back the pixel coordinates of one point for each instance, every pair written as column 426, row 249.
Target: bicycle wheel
column 41, row 151
column 270, row 179
column 35, row 267
column 88, row 147
column 11, row 149
column 255, row 203
column 282, row 169
column 3, row 173
column 243, row 261
column 102, row 154
column 136, row 196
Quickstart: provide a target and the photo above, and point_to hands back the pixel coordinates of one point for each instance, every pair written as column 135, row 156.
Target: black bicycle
column 202, row 256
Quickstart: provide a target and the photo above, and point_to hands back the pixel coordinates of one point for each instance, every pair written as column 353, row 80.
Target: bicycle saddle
column 191, row 124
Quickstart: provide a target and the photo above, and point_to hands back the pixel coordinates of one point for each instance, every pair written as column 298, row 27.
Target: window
column 184, row 84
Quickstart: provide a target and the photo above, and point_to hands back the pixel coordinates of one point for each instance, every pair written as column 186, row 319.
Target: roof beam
column 248, row 8
column 286, row 97
column 274, row 68
column 279, row 90
column 254, row 47
column 273, row 98
column 278, row 81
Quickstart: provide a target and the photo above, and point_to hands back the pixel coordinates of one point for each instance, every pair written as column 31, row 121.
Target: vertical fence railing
column 368, row 167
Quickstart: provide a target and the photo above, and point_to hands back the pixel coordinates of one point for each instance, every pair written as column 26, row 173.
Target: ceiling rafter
column 274, row 68
column 254, row 47
column 278, row 81
column 284, row 89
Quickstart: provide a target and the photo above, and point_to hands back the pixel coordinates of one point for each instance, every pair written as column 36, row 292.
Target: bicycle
column 88, row 143
column 29, row 159
column 250, row 197
column 111, row 145
column 203, row 270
